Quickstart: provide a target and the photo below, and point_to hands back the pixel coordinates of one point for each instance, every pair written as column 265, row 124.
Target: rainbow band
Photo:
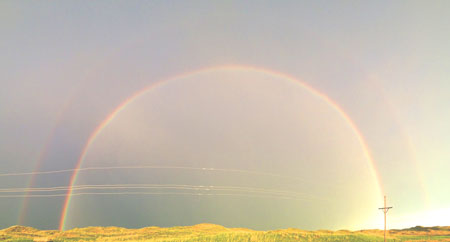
column 42, row 156
column 139, row 93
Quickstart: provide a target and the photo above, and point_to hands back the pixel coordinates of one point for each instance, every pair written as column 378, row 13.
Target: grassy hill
column 211, row 232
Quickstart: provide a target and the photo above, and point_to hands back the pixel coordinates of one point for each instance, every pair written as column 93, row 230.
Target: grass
column 210, row 232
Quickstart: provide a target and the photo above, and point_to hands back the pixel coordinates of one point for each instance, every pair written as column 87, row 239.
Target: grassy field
column 211, row 232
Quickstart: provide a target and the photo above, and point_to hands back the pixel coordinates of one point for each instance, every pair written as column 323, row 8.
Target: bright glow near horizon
column 436, row 217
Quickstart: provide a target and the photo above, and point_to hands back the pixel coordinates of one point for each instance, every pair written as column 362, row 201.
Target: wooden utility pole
column 385, row 210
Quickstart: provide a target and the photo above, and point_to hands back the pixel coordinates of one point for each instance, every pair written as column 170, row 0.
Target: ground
column 211, row 232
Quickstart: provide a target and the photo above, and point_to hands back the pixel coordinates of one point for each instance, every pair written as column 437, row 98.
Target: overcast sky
column 379, row 69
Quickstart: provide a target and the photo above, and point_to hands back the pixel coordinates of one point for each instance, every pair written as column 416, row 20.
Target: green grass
column 209, row 232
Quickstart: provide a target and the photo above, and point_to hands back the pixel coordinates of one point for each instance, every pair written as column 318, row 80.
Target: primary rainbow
column 139, row 93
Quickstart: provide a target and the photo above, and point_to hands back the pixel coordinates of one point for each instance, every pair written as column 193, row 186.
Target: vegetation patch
column 212, row 232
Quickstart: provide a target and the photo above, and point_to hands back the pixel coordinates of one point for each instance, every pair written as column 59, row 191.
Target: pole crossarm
column 386, row 208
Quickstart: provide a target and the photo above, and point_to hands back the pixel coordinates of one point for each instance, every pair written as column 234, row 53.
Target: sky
column 257, row 114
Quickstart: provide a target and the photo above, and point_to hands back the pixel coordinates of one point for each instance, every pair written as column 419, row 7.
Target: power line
column 152, row 193
column 204, row 169
column 156, row 186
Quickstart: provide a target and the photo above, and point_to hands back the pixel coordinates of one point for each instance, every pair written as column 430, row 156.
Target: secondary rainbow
column 139, row 93
column 42, row 155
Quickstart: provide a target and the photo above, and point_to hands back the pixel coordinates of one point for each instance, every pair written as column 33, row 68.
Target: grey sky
column 66, row 65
